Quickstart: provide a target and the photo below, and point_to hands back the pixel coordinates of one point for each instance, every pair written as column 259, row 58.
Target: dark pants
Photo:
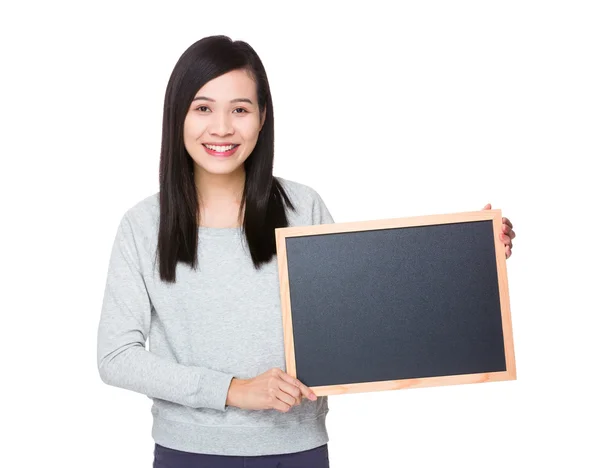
column 170, row 458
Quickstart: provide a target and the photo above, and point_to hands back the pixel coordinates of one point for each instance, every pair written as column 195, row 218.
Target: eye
column 242, row 109
column 201, row 107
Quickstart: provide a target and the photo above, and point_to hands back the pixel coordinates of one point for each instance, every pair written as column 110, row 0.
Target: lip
column 225, row 143
column 224, row 155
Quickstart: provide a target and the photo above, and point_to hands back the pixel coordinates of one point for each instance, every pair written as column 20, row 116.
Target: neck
column 219, row 187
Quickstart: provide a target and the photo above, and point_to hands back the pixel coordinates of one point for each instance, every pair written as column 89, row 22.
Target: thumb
column 487, row 207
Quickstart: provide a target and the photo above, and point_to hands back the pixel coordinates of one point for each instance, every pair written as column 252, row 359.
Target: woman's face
column 223, row 113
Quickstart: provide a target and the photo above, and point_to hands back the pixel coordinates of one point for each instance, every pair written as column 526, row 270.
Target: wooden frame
column 483, row 215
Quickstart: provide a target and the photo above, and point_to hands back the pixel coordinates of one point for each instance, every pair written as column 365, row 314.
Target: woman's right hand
column 273, row 389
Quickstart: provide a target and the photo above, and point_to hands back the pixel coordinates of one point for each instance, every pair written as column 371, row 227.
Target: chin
column 221, row 168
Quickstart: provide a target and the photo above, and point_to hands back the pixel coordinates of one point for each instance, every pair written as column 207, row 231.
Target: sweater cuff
column 213, row 387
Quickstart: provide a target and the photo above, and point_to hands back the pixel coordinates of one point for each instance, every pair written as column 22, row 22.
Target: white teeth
column 220, row 149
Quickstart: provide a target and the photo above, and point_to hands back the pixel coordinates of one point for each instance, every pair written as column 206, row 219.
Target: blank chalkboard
column 397, row 303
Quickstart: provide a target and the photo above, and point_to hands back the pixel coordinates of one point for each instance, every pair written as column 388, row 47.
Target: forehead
column 231, row 85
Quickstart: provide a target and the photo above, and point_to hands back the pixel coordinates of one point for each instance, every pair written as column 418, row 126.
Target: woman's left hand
column 507, row 234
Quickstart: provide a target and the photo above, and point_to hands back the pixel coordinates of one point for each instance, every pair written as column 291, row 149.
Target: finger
column 508, row 231
column 507, row 221
column 286, row 398
column 508, row 251
column 276, row 396
column 505, row 239
column 280, row 405
column 291, row 390
column 307, row 392
column 487, row 207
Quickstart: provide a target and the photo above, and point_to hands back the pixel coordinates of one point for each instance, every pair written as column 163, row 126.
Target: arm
column 122, row 358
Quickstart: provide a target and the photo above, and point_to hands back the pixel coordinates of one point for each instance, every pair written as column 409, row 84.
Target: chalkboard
column 397, row 303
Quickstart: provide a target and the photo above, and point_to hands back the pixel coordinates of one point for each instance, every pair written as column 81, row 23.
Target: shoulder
column 309, row 206
column 140, row 220
column 301, row 192
column 144, row 210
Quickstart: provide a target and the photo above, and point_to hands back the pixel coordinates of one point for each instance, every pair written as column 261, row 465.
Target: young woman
column 193, row 269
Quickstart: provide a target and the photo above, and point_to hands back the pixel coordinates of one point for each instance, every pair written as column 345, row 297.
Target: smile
column 220, row 151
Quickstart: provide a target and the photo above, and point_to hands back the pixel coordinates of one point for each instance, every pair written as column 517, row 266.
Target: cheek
column 188, row 141
column 249, row 130
column 191, row 132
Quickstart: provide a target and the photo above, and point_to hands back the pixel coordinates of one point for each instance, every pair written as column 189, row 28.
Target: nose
column 221, row 125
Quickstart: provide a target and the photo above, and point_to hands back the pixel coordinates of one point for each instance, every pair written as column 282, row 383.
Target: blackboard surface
column 397, row 303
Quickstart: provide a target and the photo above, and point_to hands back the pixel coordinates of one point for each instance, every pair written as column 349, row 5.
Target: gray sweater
column 219, row 322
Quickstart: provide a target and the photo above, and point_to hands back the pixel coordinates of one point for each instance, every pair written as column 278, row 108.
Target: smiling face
column 222, row 123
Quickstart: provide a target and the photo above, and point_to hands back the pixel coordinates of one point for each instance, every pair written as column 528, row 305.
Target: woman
column 193, row 269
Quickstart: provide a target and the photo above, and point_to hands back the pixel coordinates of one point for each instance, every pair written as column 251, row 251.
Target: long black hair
column 263, row 196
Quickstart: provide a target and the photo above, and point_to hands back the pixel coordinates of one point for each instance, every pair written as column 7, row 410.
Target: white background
column 387, row 110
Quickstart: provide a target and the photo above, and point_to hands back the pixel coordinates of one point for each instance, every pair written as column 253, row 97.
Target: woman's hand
column 507, row 234
column 273, row 389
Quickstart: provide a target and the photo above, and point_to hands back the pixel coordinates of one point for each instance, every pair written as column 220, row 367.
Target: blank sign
column 397, row 303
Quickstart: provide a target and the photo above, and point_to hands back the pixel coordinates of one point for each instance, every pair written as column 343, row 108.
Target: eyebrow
column 204, row 98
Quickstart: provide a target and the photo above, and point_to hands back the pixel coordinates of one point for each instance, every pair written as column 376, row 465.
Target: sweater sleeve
column 122, row 358
column 320, row 212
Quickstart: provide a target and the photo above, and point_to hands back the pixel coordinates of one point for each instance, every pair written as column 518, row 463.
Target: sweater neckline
column 204, row 231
